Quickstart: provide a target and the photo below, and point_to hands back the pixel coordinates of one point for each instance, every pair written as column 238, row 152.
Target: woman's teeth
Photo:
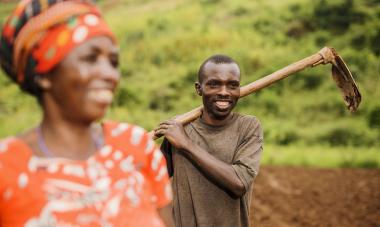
column 101, row 95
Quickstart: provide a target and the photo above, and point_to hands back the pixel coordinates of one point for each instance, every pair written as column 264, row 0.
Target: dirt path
column 295, row 196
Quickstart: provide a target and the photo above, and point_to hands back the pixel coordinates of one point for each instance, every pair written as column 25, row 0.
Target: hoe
column 340, row 73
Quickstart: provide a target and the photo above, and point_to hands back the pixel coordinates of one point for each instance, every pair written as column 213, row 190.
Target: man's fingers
column 160, row 132
column 168, row 122
column 163, row 126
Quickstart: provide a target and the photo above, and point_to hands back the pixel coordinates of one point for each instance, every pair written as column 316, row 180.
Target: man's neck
column 211, row 120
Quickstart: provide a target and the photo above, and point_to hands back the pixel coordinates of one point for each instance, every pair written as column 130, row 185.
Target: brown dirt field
column 296, row 196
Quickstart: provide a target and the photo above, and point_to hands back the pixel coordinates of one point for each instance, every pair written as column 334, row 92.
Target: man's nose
column 224, row 90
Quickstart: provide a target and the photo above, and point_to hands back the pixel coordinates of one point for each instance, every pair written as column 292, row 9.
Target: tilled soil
column 297, row 196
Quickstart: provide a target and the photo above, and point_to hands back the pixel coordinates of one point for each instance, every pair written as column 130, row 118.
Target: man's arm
column 223, row 173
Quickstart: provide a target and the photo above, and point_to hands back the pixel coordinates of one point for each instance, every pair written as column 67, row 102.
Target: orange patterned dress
column 123, row 184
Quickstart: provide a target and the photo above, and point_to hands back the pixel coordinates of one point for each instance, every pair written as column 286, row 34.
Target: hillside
column 304, row 118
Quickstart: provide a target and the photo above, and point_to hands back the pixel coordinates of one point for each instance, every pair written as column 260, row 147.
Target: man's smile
column 223, row 104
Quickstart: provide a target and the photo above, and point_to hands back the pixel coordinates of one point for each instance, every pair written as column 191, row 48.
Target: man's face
column 220, row 89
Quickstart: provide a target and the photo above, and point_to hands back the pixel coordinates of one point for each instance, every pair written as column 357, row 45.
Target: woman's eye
column 90, row 58
column 114, row 61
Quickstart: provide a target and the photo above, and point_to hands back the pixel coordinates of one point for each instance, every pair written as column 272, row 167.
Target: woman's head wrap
column 40, row 33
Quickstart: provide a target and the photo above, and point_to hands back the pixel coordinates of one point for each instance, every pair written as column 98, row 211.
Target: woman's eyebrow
column 96, row 49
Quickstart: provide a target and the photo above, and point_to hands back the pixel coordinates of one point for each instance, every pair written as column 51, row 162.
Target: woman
column 69, row 171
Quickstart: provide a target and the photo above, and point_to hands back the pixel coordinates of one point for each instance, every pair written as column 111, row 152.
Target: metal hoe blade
column 345, row 82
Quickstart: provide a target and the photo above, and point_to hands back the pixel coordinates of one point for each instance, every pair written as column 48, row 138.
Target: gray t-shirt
column 198, row 201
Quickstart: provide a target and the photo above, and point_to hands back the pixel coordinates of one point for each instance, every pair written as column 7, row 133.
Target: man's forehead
column 214, row 69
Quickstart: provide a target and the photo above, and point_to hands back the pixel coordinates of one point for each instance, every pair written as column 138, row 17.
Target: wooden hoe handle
column 324, row 56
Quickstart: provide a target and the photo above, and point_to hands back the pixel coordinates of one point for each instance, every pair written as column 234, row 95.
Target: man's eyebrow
column 213, row 80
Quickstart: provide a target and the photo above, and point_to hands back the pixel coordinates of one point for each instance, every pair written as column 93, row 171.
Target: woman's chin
column 96, row 113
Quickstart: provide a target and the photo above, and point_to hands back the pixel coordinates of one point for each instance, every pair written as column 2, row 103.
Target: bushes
column 307, row 80
column 125, row 97
column 337, row 18
column 339, row 137
column 348, row 136
column 374, row 118
column 287, row 138
column 375, row 44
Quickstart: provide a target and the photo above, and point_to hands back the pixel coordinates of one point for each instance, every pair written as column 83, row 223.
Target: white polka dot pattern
column 161, row 173
column 157, row 155
column 117, row 155
column 127, row 164
column 8, row 194
column 105, row 151
column 72, row 170
column 3, row 147
column 22, row 180
column 80, row 34
column 137, row 134
column 109, row 164
column 122, row 127
column 168, row 191
column 91, row 20
column 149, row 147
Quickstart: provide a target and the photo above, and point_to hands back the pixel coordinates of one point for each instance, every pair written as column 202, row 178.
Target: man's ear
column 43, row 82
column 198, row 88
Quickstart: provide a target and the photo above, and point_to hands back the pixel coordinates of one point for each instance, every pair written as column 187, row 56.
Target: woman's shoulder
column 14, row 153
column 129, row 139
column 131, row 134
column 10, row 144
column 116, row 128
column 20, row 143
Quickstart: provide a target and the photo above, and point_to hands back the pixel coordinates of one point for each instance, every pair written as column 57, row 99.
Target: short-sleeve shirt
column 198, row 200
column 123, row 184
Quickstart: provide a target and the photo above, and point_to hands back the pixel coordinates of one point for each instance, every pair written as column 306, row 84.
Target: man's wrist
column 188, row 146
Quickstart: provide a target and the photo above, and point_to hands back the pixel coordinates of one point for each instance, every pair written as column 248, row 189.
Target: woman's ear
column 43, row 82
column 198, row 88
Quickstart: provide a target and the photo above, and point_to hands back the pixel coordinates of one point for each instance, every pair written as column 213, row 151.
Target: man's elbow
column 239, row 190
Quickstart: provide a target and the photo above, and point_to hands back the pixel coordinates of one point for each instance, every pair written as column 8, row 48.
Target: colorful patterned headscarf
column 40, row 33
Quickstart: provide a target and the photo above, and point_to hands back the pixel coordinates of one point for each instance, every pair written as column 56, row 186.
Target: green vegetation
column 304, row 118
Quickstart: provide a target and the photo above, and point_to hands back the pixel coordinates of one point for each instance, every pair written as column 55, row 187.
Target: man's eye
column 213, row 84
column 234, row 85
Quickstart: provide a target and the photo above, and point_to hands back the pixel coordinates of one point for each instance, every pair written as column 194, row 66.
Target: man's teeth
column 103, row 96
column 222, row 104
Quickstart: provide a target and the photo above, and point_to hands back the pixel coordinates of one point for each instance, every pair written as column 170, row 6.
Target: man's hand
column 221, row 172
column 174, row 133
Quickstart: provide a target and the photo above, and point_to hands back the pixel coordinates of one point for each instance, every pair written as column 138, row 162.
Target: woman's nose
column 108, row 71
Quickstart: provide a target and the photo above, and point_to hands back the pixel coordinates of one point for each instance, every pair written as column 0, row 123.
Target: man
column 214, row 160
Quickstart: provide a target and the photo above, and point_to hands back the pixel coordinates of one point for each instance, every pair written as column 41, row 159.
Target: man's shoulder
column 247, row 119
column 248, row 124
column 243, row 123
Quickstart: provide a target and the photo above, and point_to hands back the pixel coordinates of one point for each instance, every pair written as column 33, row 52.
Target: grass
column 321, row 156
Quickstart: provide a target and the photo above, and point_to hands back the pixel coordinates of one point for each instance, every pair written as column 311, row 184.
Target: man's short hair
column 216, row 59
